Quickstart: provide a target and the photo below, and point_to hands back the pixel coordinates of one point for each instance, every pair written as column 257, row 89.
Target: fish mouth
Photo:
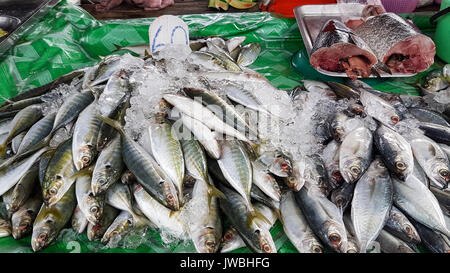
column 39, row 242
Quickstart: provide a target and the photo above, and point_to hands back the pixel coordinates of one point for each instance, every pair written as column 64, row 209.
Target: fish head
column 205, row 241
column 311, row 245
column 336, row 176
column 336, row 236
column 411, row 232
column 43, row 234
column 340, row 200
column 440, row 171
column 117, row 231
column 402, row 167
column 170, row 195
column 352, row 170
column 84, row 157
column 94, row 232
column 229, row 240
column 102, row 177
column 95, row 207
column 265, row 241
column 281, row 166
column 127, row 177
column 54, row 189
column 22, row 224
column 293, row 182
column 5, row 228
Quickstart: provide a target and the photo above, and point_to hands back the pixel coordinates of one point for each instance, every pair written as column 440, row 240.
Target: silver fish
column 90, row 205
column 391, row 244
column 266, row 182
column 249, row 53
column 379, row 109
column 22, row 220
column 79, row 221
column 399, row 225
column 96, row 232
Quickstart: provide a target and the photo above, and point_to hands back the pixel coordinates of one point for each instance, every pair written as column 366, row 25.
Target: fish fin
column 113, row 123
column 84, row 172
column 213, row 191
column 3, row 148
column 254, row 214
column 6, row 100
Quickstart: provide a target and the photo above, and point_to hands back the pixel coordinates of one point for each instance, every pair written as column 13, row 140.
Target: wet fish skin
column 58, row 175
column 263, row 180
column 432, row 159
column 236, row 167
column 323, row 217
column 331, row 160
column 21, row 104
column 427, row 115
column 399, row 225
column 50, row 220
column 231, row 240
column 355, row 154
column 20, row 193
column 23, row 120
column 277, row 163
column 420, row 174
column 379, row 109
column 71, row 108
column 79, row 220
column 5, row 228
column 443, row 196
column 431, row 239
column 108, row 167
column 15, row 142
column 236, row 208
column 91, row 205
column 296, row 227
column 194, row 158
column 371, row 204
column 391, row 244
column 119, row 228
column 344, row 91
column 245, row 98
column 418, row 202
column 438, row 133
column 22, row 220
column 343, row 195
column 96, row 232
column 395, row 151
column 37, row 133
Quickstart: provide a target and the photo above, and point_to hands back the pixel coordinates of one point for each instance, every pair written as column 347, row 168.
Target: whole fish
column 236, row 168
column 166, row 149
column 96, row 232
column 395, row 151
column 236, row 209
column 85, row 135
column 79, row 220
column 296, row 227
column 418, row 202
column 438, row 133
column 120, row 227
column 146, row 170
column 323, row 217
column 196, row 110
column 371, row 203
column 432, row 159
column 20, row 193
column 21, row 104
column 249, row 53
column 91, row 205
column 221, row 108
column 12, row 175
column 108, row 167
column 21, row 122
column 398, row 224
column 344, row 91
column 427, row 115
column 355, row 154
column 106, row 68
column 5, row 228
column 391, row 244
column 379, row 109
column 204, row 135
column 266, row 182
column 159, row 215
column 50, row 220
column 58, row 176
column 245, row 97
column 71, row 108
column 37, row 133
column 22, row 220
column 205, row 227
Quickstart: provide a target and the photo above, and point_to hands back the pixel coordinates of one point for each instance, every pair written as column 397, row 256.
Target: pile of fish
column 384, row 43
column 192, row 143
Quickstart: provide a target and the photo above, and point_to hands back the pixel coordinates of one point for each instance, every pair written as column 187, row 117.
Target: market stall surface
column 69, row 38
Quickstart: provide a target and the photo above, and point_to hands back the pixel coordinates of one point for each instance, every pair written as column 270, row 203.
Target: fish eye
column 94, row 209
column 108, row 166
column 284, row 166
column 316, row 249
column 210, row 244
column 58, row 177
column 52, row 191
column 444, row 173
column 355, row 170
column 102, row 181
column 42, row 236
column 334, row 238
column 407, row 229
column 339, row 201
column 23, row 225
column 266, row 248
column 85, row 159
column 336, row 175
column 400, row 165
column 228, row 236
column 395, row 119
column 114, row 233
column 170, row 196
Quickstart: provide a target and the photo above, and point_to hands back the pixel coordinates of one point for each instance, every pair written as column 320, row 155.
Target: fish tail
column 113, row 123
column 84, row 172
column 254, row 214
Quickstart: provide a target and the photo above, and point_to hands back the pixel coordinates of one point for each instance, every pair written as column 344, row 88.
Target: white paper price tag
column 166, row 30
